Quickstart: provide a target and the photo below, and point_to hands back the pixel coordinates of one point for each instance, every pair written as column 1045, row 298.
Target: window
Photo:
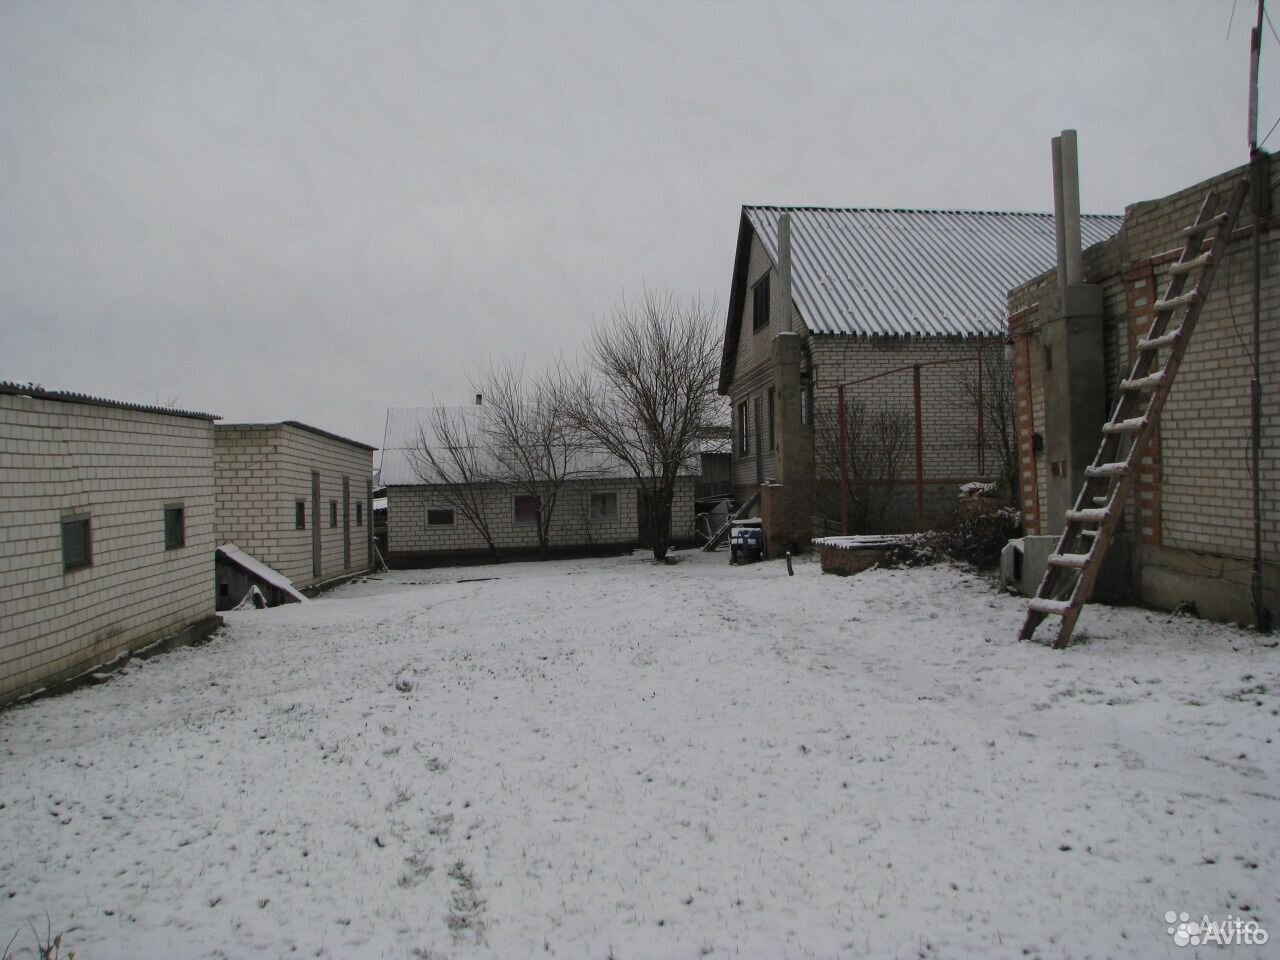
column 333, row 513
column 604, row 506
column 806, row 399
column 300, row 514
column 744, row 430
column 526, row 508
column 773, row 434
column 77, row 542
column 439, row 516
column 359, row 514
column 175, row 526
column 760, row 304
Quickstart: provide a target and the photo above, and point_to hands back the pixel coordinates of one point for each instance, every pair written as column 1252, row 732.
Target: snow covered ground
column 612, row 758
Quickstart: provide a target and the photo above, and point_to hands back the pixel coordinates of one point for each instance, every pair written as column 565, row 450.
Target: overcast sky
column 277, row 211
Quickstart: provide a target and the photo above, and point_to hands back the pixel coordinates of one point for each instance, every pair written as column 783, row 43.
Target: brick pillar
column 1028, row 475
column 1140, row 285
column 787, row 521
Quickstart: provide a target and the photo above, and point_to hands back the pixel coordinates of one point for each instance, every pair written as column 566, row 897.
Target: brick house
column 603, row 512
column 296, row 498
column 1187, row 532
column 107, row 513
column 895, row 304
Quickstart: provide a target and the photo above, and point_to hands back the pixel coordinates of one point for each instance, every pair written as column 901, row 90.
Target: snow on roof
column 405, row 425
column 257, row 568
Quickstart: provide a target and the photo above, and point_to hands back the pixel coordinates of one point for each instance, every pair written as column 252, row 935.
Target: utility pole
column 1259, row 187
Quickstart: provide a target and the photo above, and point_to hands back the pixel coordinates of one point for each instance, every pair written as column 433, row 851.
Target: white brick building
column 1187, row 534
column 879, row 298
column 424, row 525
column 106, row 531
column 297, row 498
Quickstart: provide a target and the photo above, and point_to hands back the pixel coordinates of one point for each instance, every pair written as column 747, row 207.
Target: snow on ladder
column 1074, row 564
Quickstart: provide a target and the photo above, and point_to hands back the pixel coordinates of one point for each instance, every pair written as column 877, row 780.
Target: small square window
column 527, row 507
column 77, row 543
column 359, row 514
column 175, row 527
column 760, row 304
column 333, row 513
column 604, row 506
column 440, row 516
column 300, row 515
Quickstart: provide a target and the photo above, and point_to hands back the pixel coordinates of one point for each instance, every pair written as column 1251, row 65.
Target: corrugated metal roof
column 65, row 396
column 401, row 440
column 870, row 272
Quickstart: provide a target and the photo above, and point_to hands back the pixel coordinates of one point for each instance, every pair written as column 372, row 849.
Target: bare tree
column 535, row 446
column 876, row 445
column 647, row 392
column 450, row 454
column 991, row 392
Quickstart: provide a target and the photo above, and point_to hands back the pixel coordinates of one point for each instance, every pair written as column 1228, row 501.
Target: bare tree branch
column 449, row 454
column 647, row 394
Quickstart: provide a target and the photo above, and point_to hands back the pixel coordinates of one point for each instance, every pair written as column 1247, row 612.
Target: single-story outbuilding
column 107, row 513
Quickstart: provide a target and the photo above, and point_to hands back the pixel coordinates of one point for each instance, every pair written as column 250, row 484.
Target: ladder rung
column 1144, row 383
column 1186, row 266
column 1089, row 515
column 1117, row 469
column 1155, row 343
column 1185, row 300
column 1132, row 425
column 1059, row 608
column 1204, row 226
column 1075, row 561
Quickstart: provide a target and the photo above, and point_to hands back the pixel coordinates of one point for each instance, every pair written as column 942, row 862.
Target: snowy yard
column 611, row 758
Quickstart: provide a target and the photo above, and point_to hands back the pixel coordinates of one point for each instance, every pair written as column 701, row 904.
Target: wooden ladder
column 718, row 537
column 1074, row 565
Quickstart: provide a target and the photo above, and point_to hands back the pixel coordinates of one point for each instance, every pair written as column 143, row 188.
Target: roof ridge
column 955, row 211
column 11, row 388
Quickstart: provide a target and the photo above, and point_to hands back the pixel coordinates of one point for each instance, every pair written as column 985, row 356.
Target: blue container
column 746, row 545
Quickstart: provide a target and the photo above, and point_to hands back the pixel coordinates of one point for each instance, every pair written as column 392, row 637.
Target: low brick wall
column 846, row 556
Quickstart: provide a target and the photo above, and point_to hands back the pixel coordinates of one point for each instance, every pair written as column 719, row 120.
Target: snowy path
column 611, row 758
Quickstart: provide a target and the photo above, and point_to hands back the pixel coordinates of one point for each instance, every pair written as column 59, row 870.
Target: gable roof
column 64, row 396
column 401, row 438
column 860, row 271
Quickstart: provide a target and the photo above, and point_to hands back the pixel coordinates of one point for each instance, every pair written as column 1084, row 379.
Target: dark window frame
column 760, row 304
column 175, row 534
column 359, row 513
column 604, row 516
column 77, row 559
column 518, row 520
column 333, row 514
column 300, row 514
column 744, row 430
column 453, row 517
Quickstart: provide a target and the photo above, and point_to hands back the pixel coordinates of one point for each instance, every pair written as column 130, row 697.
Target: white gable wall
column 120, row 467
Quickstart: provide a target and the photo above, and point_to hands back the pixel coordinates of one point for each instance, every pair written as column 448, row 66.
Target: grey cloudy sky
column 315, row 211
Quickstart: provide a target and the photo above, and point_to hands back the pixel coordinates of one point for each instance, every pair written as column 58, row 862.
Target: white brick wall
column 571, row 526
column 121, row 468
column 262, row 470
